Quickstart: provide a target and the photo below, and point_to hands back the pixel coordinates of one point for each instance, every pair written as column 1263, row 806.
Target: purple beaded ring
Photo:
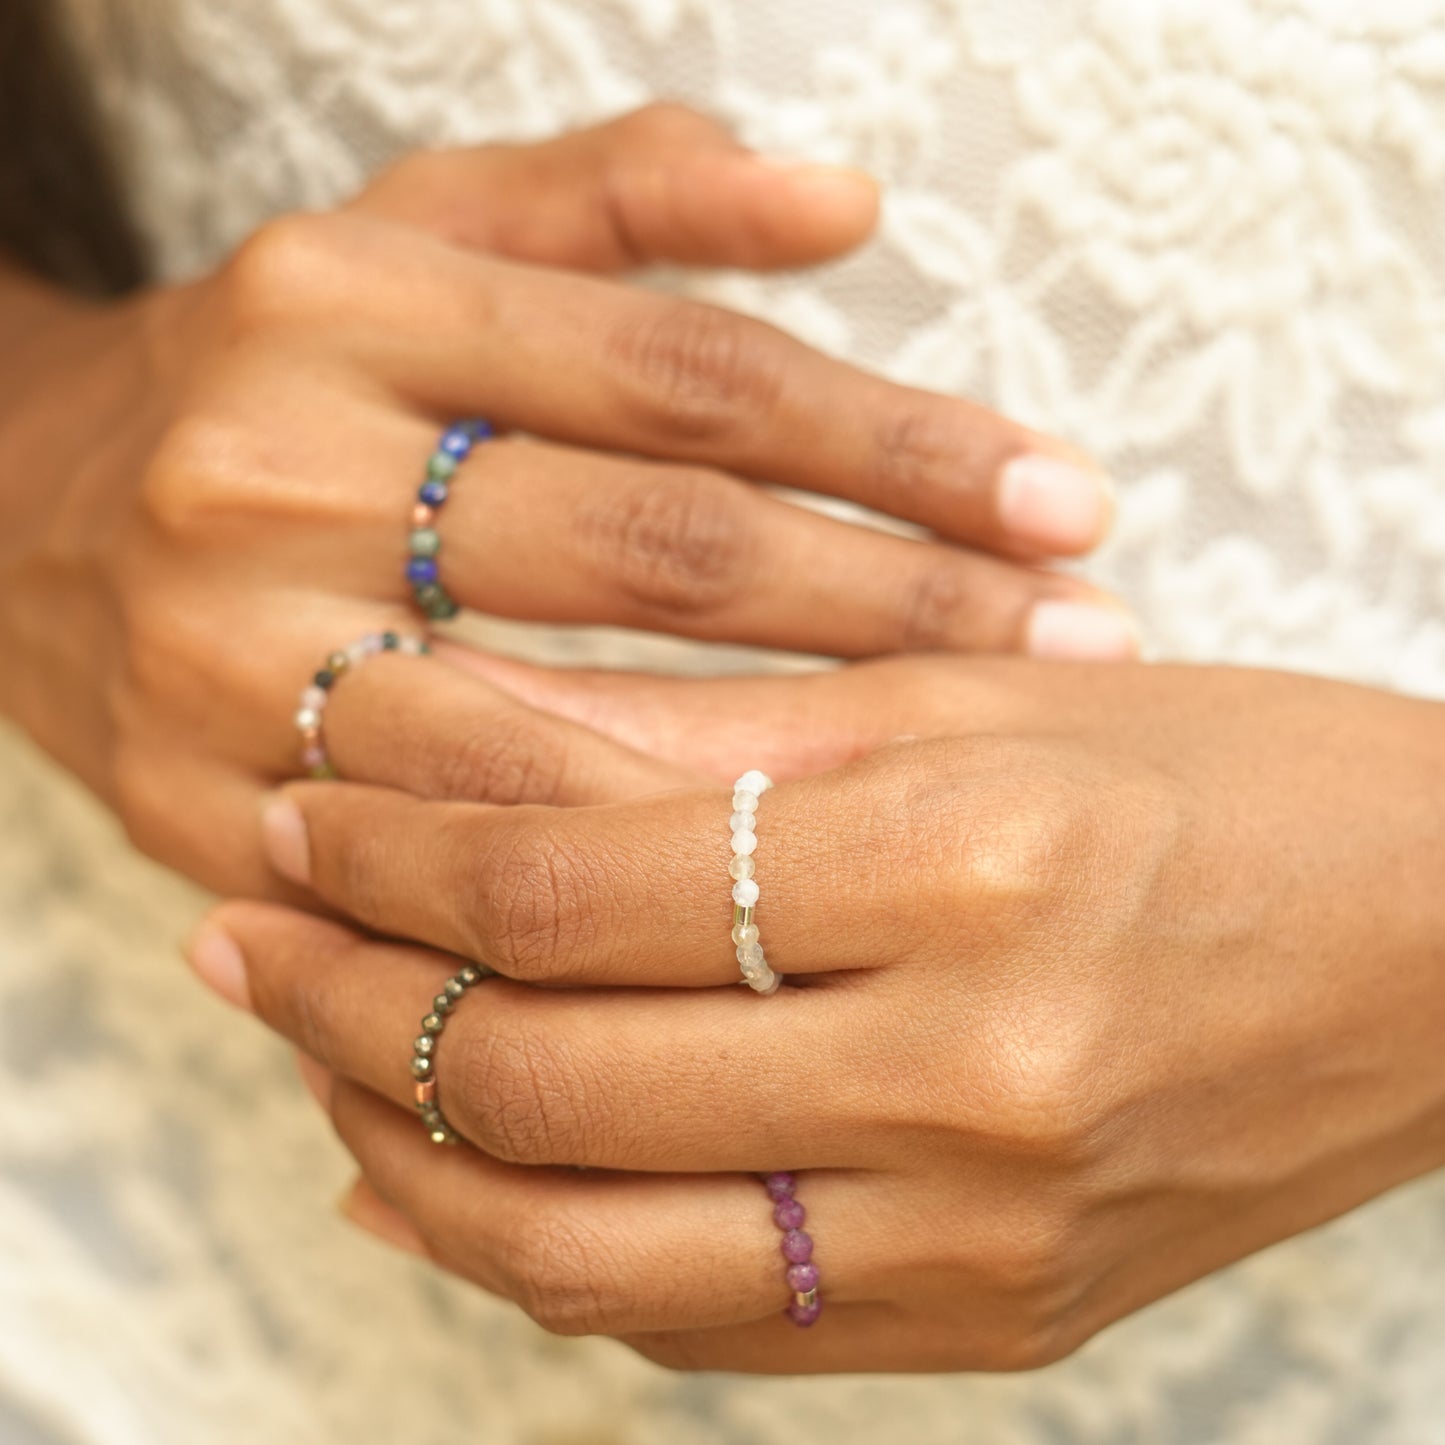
column 312, row 714
column 422, row 568
column 802, row 1274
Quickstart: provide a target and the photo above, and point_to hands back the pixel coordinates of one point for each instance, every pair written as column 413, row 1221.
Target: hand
column 1109, row 979
column 217, row 478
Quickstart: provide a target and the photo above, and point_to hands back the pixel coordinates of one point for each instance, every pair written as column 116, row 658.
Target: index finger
column 580, row 359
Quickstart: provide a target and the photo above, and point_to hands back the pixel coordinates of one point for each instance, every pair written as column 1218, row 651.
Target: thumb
column 660, row 184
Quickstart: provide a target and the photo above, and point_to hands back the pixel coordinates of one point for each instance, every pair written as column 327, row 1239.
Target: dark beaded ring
column 424, row 1048
column 423, row 571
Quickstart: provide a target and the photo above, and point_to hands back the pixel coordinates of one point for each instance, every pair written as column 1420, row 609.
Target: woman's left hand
column 1111, row 978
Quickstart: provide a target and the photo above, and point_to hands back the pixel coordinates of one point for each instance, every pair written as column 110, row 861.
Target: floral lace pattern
column 1201, row 237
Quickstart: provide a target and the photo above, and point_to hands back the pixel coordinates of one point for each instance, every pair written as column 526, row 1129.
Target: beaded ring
column 797, row 1246
column 756, row 973
column 311, row 717
column 425, row 543
column 423, row 1055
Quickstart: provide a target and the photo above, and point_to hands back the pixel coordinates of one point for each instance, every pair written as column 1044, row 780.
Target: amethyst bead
column 789, row 1214
column 780, row 1185
column 805, row 1315
column 797, row 1246
column 421, row 570
column 802, row 1278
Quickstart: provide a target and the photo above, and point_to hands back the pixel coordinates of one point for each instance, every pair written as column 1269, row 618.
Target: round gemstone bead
column 424, row 1044
column 422, row 570
column 338, row 662
column 456, row 442
column 314, row 698
column 425, row 542
column 433, row 1023
column 742, row 866
column 749, row 953
column 314, row 757
column 442, row 1004
column 744, row 933
column 454, row 988
column 780, row 1183
column 325, row 680
column 441, row 466
column 797, row 1246
column 805, row 1315
column 745, row 842
column 421, row 1068
column 740, row 821
column 308, row 719
column 745, row 802
column 481, row 429
column 470, row 976
column 754, row 782
column 745, row 892
column 433, row 493
column 802, row 1278
column 789, row 1214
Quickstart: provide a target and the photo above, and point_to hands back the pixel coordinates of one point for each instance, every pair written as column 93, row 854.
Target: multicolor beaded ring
column 746, row 792
column 422, row 568
column 311, row 716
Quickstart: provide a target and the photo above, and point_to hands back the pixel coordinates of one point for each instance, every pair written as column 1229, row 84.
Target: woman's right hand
column 213, row 481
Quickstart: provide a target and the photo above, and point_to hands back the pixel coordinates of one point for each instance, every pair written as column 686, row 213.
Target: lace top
column 1202, row 238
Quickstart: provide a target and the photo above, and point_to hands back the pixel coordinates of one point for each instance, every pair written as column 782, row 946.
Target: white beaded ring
column 746, row 792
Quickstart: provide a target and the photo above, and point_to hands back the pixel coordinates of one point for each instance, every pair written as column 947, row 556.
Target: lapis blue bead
column 456, row 442
column 421, row 570
column 433, row 493
column 480, row 429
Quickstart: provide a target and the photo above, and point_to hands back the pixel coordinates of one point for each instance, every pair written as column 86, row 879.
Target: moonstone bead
column 308, row 719
column 742, row 866
column 765, row 985
column 745, row 802
column 789, row 1214
column 797, row 1246
column 739, row 821
column 314, row 698
column 749, row 953
column 745, row 892
column 745, row 842
column 754, row 782
column 802, row 1278
column 745, row 933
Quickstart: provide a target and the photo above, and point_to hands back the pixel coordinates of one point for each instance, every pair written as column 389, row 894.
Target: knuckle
column 665, row 123
column 696, row 373
column 508, row 759
column 539, row 906
column 203, row 469
column 282, row 267
column 918, row 449
column 525, row 1095
column 676, row 544
column 933, row 607
column 565, row 1275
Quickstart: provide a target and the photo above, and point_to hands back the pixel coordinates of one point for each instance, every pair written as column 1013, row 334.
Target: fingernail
column 1054, row 505
column 1082, row 632
column 319, row 1080
column 216, row 958
column 283, row 834
column 366, row 1209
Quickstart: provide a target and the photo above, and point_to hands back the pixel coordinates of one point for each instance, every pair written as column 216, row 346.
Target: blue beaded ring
column 422, row 570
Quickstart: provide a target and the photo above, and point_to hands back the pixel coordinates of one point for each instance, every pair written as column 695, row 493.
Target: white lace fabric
column 1203, row 238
